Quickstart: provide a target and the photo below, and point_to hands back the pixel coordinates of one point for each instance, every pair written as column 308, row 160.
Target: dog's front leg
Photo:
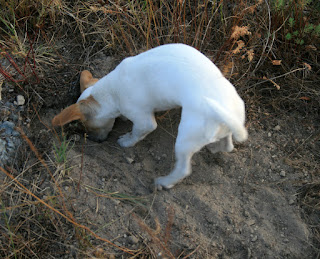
column 181, row 170
column 142, row 126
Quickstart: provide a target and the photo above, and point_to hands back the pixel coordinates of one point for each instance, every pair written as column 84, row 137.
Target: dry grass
column 248, row 40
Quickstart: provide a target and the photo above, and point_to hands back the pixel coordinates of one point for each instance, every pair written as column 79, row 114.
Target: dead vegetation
column 268, row 49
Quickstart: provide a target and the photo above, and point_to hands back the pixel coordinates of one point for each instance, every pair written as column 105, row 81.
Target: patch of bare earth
column 243, row 204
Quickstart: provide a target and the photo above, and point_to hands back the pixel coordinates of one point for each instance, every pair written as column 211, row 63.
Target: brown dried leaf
column 311, row 47
column 305, row 98
column 237, row 32
column 276, row 62
column 307, row 66
column 250, row 54
column 240, row 46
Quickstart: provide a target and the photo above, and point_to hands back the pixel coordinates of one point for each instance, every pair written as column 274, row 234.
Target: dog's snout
column 95, row 138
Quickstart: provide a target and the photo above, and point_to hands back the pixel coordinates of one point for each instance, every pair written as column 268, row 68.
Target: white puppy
column 169, row 76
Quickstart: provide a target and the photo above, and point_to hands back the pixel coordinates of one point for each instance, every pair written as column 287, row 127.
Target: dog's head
column 86, row 110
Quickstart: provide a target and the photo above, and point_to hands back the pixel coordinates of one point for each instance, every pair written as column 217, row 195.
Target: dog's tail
column 237, row 128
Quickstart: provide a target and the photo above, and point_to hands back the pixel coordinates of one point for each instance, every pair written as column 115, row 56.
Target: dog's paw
column 126, row 140
column 163, row 182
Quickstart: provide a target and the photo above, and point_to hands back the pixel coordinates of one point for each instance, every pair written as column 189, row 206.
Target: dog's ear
column 69, row 114
column 86, row 80
column 82, row 110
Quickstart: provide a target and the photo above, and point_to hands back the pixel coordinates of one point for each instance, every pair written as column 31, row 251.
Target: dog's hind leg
column 223, row 145
column 191, row 138
column 142, row 126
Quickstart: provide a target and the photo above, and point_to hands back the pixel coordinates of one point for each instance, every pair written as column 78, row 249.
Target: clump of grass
column 61, row 150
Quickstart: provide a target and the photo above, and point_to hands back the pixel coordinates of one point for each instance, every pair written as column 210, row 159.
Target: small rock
column 133, row 239
column 75, row 137
column 117, row 202
column 251, row 222
column 269, row 134
column 129, row 160
column 20, row 100
column 254, row 239
column 249, row 253
column 283, row 173
column 277, row 128
column 291, row 201
column 246, row 213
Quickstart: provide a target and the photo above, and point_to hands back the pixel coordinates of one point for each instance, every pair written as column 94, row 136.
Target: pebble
column 283, row 173
column 133, row 239
column 129, row 160
column 254, row 239
column 75, row 137
column 20, row 100
column 249, row 253
column 291, row 201
column 277, row 128
column 246, row 213
column 251, row 222
column 117, row 202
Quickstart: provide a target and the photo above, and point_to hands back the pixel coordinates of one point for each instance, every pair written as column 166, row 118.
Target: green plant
column 292, row 20
column 61, row 150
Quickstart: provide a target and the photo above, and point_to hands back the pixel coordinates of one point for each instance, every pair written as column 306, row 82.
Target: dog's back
column 174, row 75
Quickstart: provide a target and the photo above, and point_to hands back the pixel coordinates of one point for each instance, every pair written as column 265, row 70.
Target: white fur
column 169, row 76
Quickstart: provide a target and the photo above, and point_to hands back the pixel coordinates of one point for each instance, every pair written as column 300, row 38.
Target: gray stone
column 20, row 100
column 277, row 128
column 254, row 238
column 283, row 173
